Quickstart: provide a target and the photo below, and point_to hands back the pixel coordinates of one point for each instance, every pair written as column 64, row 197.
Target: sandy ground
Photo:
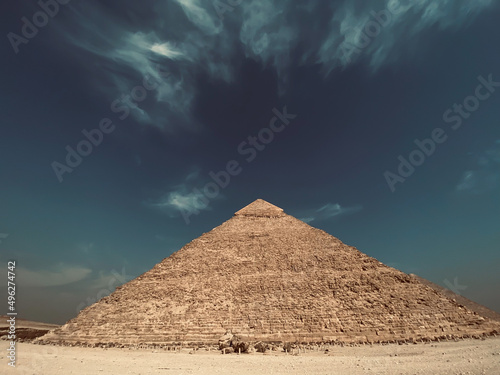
column 463, row 357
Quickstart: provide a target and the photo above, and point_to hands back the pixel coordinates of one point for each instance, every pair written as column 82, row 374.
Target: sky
column 130, row 128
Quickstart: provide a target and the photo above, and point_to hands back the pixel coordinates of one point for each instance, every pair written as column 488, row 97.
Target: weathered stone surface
column 225, row 341
column 287, row 347
column 227, row 350
column 471, row 305
column 261, row 347
column 267, row 276
column 240, row 345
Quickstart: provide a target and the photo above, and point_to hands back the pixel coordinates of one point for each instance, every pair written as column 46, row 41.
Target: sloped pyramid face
column 267, row 276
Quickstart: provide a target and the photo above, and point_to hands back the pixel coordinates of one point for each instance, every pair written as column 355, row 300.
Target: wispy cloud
column 103, row 279
column 165, row 49
column 329, row 211
column 129, row 57
column 184, row 197
column 61, row 274
column 187, row 37
column 203, row 17
column 485, row 174
column 85, row 247
column 354, row 23
column 180, row 200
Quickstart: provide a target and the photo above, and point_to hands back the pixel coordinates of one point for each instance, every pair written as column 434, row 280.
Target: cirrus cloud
column 188, row 38
column 61, row 274
column 329, row 211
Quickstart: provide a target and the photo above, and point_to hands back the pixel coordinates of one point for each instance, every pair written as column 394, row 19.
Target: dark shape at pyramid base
column 267, row 276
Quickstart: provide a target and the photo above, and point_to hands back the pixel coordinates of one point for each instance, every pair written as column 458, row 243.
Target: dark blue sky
column 180, row 90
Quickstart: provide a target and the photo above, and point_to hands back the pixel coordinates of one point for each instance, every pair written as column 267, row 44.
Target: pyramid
column 268, row 276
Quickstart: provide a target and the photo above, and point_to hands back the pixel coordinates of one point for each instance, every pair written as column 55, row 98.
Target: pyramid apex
column 260, row 208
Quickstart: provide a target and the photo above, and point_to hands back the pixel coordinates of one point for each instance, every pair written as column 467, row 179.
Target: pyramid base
column 211, row 340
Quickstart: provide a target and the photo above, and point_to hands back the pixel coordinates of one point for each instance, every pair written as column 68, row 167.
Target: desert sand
column 462, row 357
